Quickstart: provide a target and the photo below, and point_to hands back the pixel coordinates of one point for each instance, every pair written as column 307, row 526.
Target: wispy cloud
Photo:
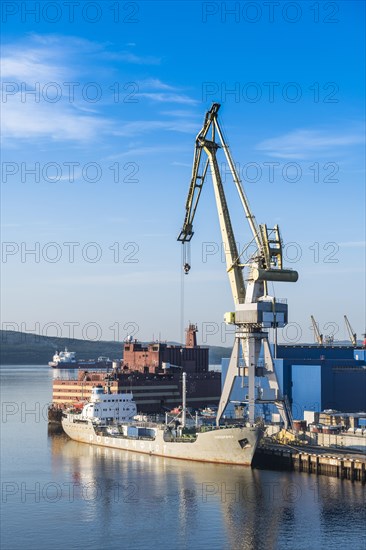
column 44, row 58
column 68, row 43
column 300, row 144
column 158, row 91
column 29, row 66
column 37, row 60
column 43, row 120
column 155, row 84
column 159, row 97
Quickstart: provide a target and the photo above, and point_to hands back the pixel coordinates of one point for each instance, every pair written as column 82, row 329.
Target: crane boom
column 352, row 335
column 197, row 180
column 235, row 270
column 268, row 241
column 318, row 337
column 245, row 203
column 196, row 183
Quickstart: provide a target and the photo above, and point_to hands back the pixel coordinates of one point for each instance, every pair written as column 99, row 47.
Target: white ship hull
column 232, row 445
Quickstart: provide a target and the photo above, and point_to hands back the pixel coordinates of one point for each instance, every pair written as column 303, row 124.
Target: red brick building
column 158, row 356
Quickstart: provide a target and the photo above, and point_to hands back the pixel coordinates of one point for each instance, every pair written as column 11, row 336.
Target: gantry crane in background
column 317, row 336
column 320, row 339
column 255, row 310
column 352, row 335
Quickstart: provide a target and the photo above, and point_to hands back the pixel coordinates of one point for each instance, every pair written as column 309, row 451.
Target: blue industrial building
column 315, row 378
column 323, row 377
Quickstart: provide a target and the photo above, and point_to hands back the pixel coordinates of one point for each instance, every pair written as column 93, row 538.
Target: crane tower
column 255, row 310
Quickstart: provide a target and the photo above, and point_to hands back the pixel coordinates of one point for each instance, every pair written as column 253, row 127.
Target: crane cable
column 185, row 268
column 181, row 331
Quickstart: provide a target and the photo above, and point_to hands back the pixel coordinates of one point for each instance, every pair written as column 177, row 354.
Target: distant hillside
column 20, row 348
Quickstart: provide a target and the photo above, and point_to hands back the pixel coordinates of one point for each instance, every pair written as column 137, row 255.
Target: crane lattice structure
column 255, row 311
column 352, row 335
column 317, row 335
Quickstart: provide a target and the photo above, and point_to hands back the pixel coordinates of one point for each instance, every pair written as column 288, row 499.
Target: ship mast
column 184, row 399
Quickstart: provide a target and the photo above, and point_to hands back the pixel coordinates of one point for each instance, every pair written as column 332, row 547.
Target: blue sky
column 110, row 132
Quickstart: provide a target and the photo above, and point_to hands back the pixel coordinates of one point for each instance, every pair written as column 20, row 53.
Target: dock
column 343, row 464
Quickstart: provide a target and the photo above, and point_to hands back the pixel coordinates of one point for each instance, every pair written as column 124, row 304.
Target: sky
column 101, row 103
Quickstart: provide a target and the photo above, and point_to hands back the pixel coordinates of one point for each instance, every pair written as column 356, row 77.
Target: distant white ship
column 67, row 360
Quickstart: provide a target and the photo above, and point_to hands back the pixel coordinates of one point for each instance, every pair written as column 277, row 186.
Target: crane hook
column 186, row 268
column 186, row 257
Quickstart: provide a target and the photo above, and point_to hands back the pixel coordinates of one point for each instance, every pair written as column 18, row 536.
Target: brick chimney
column 191, row 339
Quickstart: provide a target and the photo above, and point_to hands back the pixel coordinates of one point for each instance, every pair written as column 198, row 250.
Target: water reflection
column 222, row 506
column 61, row 494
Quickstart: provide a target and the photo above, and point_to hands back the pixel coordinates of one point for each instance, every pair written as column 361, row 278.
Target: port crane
column 352, row 335
column 318, row 337
column 255, row 310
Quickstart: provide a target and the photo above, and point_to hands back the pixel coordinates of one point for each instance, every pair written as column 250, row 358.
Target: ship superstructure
column 108, row 407
column 64, row 359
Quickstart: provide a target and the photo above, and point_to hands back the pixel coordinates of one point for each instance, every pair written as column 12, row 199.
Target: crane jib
column 255, row 311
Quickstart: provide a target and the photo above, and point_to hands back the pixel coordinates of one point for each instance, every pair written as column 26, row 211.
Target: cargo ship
column 104, row 421
column 153, row 372
column 67, row 360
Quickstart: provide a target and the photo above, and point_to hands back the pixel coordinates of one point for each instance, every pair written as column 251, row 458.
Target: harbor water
column 57, row 493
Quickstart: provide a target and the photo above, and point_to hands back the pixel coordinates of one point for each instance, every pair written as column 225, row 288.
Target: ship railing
column 209, row 428
column 138, row 424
